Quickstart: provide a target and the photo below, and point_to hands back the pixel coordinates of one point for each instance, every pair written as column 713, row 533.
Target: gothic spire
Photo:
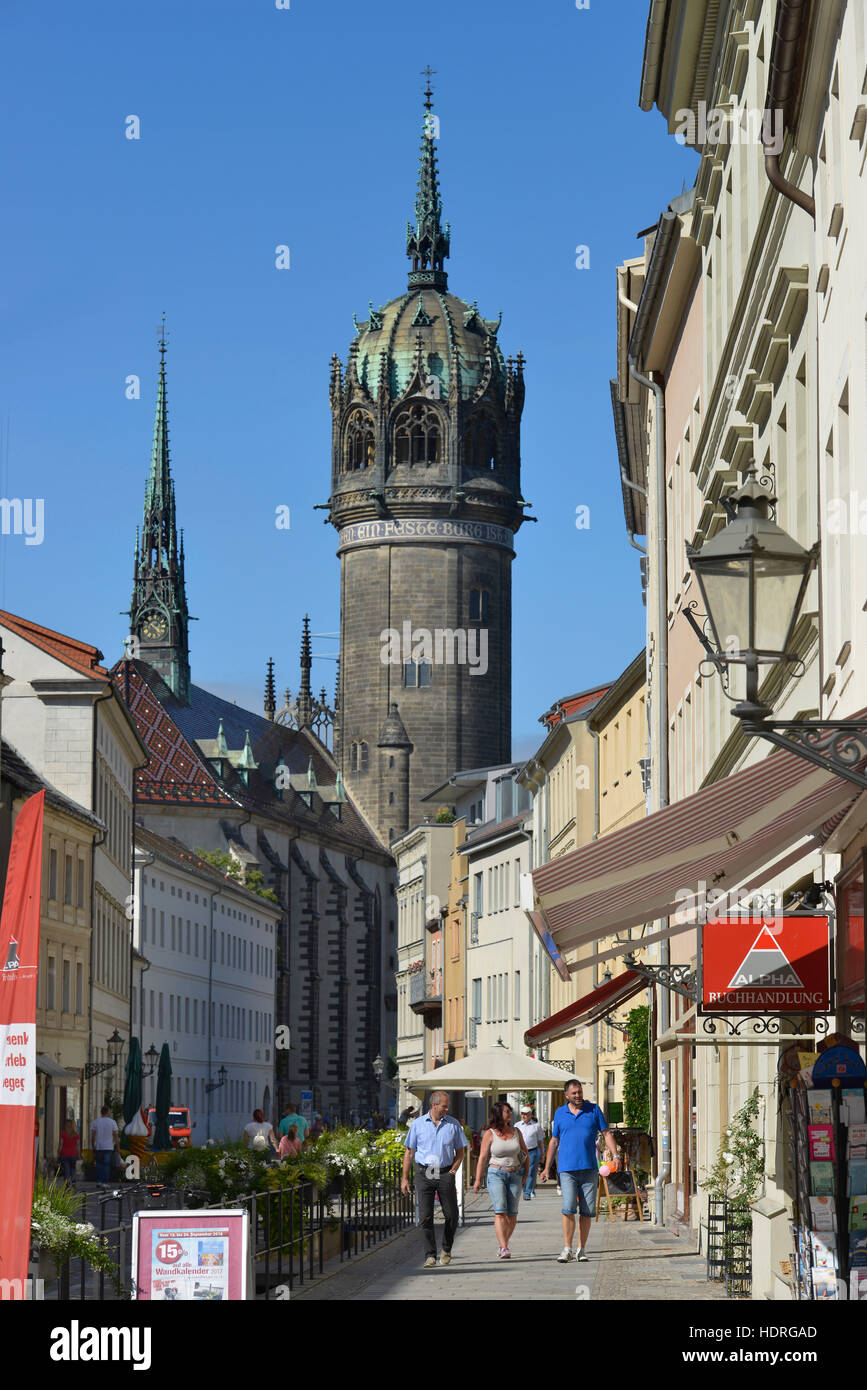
column 427, row 245
column 270, row 692
column 305, row 702
column 158, row 612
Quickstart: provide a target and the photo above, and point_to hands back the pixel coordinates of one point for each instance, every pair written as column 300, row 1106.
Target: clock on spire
column 158, row 613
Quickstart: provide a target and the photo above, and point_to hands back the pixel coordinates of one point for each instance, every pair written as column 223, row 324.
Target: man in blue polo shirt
column 573, row 1140
column 436, row 1142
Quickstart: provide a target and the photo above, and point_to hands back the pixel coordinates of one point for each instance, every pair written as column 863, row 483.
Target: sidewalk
column 627, row 1261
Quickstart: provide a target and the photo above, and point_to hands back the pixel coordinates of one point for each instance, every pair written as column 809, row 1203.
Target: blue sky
column 262, row 127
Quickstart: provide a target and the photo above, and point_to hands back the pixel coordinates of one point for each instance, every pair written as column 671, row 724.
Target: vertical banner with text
column 19, row 958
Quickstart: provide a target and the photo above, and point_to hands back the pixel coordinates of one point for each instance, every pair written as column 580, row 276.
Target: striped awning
column 709, row 841
column 598, row 1004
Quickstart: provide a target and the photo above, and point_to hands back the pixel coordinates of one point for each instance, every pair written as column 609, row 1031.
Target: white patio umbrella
column 492, row 1070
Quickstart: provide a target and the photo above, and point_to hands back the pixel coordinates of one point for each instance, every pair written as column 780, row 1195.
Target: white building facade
column 207, row 985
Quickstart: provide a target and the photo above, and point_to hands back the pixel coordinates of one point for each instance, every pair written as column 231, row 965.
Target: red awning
column 601, row 1002
column 712, row 840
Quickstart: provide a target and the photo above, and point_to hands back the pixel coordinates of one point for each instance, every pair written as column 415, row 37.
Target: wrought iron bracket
column 679, row 978
column 737, row 1024
column 97, row 1068
column 837, row 745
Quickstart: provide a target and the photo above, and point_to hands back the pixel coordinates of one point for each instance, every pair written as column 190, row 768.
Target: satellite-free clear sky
column 263, row 126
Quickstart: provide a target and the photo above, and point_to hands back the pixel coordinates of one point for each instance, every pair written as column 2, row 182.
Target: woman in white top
column 504, row 1161
column 257, row 1127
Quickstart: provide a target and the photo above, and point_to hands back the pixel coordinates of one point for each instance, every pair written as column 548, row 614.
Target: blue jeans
column 530, row 1185
column 578, row 1189
column 102, row 1159
column 504, row 1187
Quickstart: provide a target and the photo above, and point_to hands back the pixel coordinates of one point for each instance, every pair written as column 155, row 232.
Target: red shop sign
column 781, row 965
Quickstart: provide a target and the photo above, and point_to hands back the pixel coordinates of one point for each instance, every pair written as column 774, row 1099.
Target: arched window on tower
column 417, row 436
column 359, row 442
column 480, row 443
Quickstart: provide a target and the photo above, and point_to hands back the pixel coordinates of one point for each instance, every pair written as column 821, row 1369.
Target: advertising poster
column 188, row 1256
column 776, row 966
column 19, row 957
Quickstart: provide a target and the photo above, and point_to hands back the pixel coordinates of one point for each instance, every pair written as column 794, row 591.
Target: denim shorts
column 579, row 1188
column 504, row 1185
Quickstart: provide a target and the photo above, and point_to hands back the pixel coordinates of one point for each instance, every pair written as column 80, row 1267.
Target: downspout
column 660, row 720
column 215, row 894
column 106, row 695
column 782, row 89
column 142, row 865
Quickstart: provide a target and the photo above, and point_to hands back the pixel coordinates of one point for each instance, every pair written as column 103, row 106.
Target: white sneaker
column 565, row 1255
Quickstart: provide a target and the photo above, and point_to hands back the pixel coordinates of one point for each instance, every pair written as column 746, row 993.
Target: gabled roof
column 80, row 656
column 570, row 705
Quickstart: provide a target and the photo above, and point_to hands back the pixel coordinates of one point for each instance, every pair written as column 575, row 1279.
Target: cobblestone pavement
column 627, row 1261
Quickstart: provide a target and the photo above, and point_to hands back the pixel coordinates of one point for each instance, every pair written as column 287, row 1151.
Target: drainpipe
column 97, row 840
column 660, row 720
column 215, row 894
column 782, row 90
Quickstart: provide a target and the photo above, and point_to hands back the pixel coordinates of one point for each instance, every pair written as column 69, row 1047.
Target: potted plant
column 57, row 1236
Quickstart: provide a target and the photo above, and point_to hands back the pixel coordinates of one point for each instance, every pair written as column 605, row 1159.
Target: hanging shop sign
column 777, row 965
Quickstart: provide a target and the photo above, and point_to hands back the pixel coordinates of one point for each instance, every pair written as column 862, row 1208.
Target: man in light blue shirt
column 436, row 1142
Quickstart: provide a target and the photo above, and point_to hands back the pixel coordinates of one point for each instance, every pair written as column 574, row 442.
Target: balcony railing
column 426, row 991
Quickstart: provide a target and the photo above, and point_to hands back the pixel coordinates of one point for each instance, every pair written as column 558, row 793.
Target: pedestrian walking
column 259, row 1128
column 573, row 1143
column 290, row 1144
column 317, row 1129
column 69, row 1150
column 105, row 1139
column 504, row 1163
column 435, row 1143
column 534, row 1139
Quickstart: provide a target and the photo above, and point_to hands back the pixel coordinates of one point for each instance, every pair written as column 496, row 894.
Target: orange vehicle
column 180, row 1128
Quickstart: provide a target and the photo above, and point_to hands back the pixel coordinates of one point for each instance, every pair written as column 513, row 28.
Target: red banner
column 19, row 961
column 779, row 965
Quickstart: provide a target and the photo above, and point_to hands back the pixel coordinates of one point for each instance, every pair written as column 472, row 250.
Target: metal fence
column 294, row 1231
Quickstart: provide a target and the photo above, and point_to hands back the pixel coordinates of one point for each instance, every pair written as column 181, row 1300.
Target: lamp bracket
column 679, row 978
column 97, row 1068
column 837, row 745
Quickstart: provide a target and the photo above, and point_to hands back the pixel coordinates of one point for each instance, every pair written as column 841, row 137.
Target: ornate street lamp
column 221, row 1081
column 153, row 1057
column 753, row 577
column 115, row 1047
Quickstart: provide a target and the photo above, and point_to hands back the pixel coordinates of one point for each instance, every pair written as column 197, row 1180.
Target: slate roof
column 179, row 773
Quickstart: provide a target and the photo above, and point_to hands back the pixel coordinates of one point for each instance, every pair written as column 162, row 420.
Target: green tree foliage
column 253, row 880
column 444, row 816
column 636, row 1070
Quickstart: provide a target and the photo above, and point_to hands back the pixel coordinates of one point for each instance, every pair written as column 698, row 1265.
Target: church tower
column 158, row 613
column 426, row 500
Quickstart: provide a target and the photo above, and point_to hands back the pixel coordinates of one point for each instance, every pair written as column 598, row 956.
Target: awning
column 716, row 838
column 599, row 1003
column 55, row 1070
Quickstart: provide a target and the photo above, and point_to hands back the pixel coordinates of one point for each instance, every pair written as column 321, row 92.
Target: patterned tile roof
column 175, row 771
